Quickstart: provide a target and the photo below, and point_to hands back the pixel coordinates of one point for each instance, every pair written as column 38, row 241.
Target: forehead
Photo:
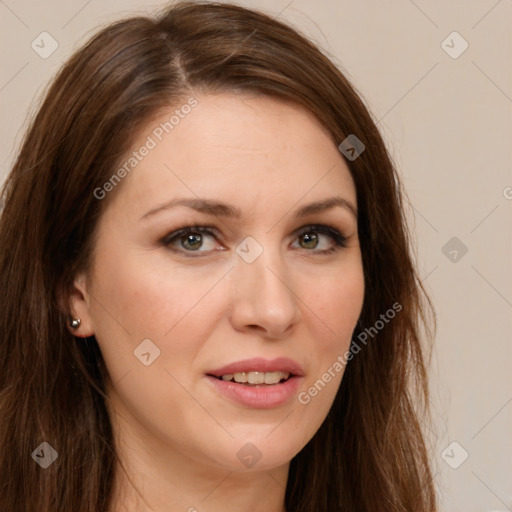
column 234, row 146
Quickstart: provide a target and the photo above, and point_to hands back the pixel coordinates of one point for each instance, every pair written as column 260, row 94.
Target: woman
column 209, row 300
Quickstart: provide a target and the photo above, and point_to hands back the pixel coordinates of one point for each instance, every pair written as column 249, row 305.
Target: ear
column 76, row 303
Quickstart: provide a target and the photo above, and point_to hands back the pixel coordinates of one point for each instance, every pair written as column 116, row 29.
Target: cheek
column 150, row 326
column 335, row 309
column 144, row 295
column 135, row 301
column 337, row 305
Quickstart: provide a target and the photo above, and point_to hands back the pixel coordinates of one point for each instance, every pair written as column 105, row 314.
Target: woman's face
column 253, row 279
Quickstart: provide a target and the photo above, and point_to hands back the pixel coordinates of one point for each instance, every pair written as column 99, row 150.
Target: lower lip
column 258, row 397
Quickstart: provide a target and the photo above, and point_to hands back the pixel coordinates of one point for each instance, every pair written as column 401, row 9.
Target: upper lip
column 258, row 364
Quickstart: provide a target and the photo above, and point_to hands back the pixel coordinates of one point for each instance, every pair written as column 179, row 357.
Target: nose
column 262, row 297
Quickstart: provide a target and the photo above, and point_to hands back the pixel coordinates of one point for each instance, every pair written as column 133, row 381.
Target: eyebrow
column 219, row 209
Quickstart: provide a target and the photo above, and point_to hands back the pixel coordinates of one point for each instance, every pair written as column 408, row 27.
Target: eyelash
column 340, row 241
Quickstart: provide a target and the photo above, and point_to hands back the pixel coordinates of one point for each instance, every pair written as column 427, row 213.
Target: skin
column 177, row 437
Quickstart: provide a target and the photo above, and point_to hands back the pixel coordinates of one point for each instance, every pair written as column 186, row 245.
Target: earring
column 74, row 323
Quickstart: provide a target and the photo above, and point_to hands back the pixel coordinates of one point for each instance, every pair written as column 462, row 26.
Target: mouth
column 258, row 383
column 255, row 379
column 259, row 371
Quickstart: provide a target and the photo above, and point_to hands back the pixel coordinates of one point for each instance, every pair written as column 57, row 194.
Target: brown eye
column 190, row 239
column 311, row 237
column 310, row 240
column 194, row 242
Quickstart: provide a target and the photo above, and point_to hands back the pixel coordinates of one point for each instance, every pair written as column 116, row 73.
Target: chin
column 256, row 453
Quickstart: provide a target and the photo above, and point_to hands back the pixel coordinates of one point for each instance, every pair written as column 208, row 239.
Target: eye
column 191, row 239
column 311, row 237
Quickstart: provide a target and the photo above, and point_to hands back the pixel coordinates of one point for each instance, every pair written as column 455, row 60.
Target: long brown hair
column 369, row 454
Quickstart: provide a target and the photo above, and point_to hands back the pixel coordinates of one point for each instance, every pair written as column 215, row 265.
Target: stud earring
column 74, row 323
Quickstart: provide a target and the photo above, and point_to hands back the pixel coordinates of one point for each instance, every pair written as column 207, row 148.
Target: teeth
column 240, row 377
column 256, row 377
column 275, row 377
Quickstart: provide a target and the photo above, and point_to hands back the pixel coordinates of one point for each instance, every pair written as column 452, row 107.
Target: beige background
column 447, row 122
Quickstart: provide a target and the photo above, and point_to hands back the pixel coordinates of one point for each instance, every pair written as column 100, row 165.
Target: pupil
column 310, row 238
column 193, row 239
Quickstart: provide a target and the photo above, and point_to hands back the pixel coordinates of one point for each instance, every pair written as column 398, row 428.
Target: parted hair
column 370, row 454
